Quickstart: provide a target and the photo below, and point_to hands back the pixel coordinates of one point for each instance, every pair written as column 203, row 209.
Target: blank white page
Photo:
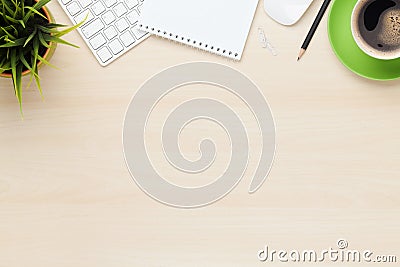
column 218, row 26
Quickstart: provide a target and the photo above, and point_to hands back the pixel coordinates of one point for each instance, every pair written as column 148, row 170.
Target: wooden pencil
column 314, row 27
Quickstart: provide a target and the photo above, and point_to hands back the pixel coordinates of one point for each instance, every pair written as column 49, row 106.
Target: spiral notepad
column 217, row 26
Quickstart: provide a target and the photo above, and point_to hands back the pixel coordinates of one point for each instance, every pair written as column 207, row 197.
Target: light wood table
column 67, row 198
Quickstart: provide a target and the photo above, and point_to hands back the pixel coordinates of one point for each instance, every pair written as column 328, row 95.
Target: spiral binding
column 190, row 42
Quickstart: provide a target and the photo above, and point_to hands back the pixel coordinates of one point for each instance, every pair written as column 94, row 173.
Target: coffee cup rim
column 367, row 49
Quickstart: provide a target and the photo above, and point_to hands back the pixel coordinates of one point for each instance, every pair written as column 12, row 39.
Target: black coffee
column 379, row 25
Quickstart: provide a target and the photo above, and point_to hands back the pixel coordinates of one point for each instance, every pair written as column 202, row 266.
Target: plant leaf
column 35, row 11
column 16, row 70
column 21, row 22
column 30, row 36
column 46, row 62
column 41, row 3
column 42, row 40
column 37, row 7
column 23, row 8
column 7, row 17
column 7, row 8
column 46, row 30
column 35, row 53
column 66, row 31
column 26, row 64
column 8, row 33
column 33, row 74
column 50, row 38
column 37, row 80
column 55, row 25
column 19, row 87
column 5, row 67
column 18, row 42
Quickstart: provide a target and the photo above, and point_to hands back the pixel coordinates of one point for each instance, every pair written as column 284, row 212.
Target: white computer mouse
column 286, row 12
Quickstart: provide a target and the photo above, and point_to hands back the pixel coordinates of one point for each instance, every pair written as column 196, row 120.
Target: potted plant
column 28, row 39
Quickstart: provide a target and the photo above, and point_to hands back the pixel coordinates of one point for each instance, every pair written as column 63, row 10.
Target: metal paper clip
column 265, row 42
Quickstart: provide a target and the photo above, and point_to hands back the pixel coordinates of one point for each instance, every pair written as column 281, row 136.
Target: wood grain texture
column 67, row 199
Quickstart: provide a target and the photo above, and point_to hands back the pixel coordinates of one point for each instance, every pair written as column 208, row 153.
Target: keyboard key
column 73, row 8
column 133, row 17
column 85, row 3
column 108, row 17
column 127, row 38
column 138, row 32
column 98, row 8
column 110, row 32
column 97, row 41
column 92, row 28
column 104, row 54
column 116, row 46
column 110, row 3
column 140, row 8
column 120, row 9
column 110, row 28
column 79, row 18
column 131, row 3
column 122, row 25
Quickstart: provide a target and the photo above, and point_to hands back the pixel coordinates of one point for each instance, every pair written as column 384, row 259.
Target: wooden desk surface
column 67, row 199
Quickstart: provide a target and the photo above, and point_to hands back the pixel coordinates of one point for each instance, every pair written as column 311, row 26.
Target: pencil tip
column 302, row 51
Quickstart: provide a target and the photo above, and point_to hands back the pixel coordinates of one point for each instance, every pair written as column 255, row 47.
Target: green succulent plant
column 26, row 33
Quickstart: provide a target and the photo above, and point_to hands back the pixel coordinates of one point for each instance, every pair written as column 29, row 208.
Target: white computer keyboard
column 111, row 27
